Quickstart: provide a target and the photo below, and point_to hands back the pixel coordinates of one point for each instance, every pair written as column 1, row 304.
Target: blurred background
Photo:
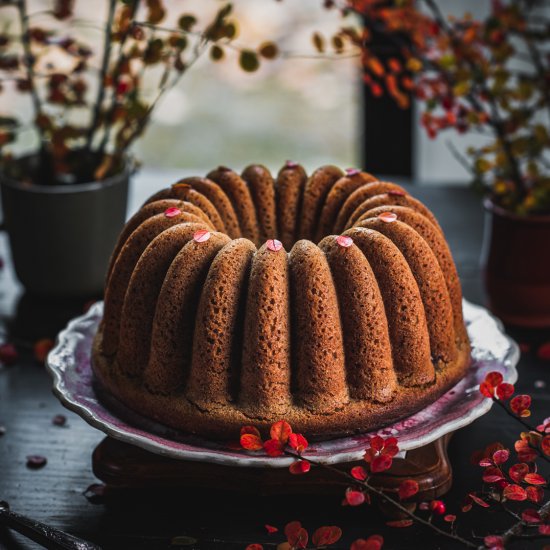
column 302, row 106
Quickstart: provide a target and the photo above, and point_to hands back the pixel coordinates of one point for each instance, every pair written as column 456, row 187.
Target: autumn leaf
column 407, row 489
column 326, row 535
column 280, row 431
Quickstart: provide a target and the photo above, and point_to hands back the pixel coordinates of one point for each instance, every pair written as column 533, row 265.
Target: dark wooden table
column 149, row 519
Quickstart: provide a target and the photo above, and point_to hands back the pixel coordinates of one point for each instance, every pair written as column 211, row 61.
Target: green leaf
column 230, row 30
column 248, row 60
column 186, row 22
column 268, row 50
column 216, row 53
column 318, row 42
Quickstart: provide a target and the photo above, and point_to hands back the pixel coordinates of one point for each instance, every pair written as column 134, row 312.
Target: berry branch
column 522, row 482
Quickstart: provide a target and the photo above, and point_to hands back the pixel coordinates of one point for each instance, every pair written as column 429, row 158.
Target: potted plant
column 64, row 201
column 490, row 75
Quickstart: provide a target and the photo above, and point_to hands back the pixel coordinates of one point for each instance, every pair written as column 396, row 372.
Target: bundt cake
column 221, row 311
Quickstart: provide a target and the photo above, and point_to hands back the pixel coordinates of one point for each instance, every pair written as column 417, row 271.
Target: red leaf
column 534, row 479
column 369, row 455
column 254, row 546
column 358, row 472
column 493, row 541
column 545, row 445
column 544, row 352
column 280, row 431
column 407, row 489
column 450, row 518
column 59, row 420
column 525, row 452
column 390, row 442
column 298, row 442
column 41, row 349
column 8, row 354
column 374, row 542
column 326, row 535
column 544, row 530
column 390, row 450
column 520, row 403
column 535, row 494
column 273, row 447
column 501, row 456
column 34, row 462
column 301, row 539
column 354, row 498
column 492, row 475
column 518, row 471
column 531, row 516
column 478, row 501
column 292, row 528
column 514, row 492
column 485, row 462
column 377, row 443
column 494, row 378
column 296, row 535
column 505, row 391
column 251, row 442
column 400, row 523
column 250, row 430
column 300, row 467
column 381, row 463
column 270, row 529
column 525, row 347
column 486, row 389
column 95, row 492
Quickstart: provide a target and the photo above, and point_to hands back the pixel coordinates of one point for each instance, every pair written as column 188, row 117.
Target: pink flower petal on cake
column 274, row 245
column 344, row 241
column 397, row 193
column 352, row 171
column 201, row 236
column 387, row 217
column 290, row 164
column 172, row 212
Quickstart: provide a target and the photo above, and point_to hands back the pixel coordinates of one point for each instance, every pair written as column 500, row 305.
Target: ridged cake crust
column 209, row 324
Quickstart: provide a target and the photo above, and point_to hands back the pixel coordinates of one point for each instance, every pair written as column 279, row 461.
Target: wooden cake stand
column 121, row 465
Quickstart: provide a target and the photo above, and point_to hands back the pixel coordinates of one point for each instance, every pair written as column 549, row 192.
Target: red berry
column 437, row 507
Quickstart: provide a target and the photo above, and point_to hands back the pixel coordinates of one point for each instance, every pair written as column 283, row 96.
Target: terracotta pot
column 516, row 266
column 61, row 236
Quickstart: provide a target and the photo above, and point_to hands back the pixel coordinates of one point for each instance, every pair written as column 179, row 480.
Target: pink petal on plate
column 352, row 171
column 172, row 212
column 201, row 236
column 387, row 217
column 274, row 245
column 344, row 240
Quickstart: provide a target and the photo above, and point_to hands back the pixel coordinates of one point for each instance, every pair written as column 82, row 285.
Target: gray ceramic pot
column 61, row 236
